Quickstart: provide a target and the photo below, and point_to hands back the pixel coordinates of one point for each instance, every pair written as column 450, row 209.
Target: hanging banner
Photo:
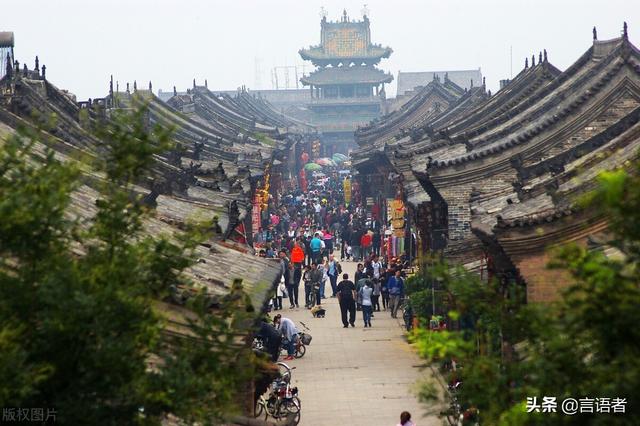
column 346, row 185
column 255, row 215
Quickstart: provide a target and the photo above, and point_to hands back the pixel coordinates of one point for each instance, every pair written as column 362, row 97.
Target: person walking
column 316, row 283
column 356, row 236
column 294, row 285
column 365, row 294
column 376, row 240
column 346, row 291
column 323, row 267
column 334, row 270
column 375, row 297
column 308, row 287
column 365, row 244
column 285, row 276
column 405, row 419
column 384, row 293
column 395, row 285
column 316, row 248
column 280, row 292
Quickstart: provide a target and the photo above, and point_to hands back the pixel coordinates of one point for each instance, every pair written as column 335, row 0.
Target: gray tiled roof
column 410, row 80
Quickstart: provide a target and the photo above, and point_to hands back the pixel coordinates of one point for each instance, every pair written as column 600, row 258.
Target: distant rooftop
column 408, row 81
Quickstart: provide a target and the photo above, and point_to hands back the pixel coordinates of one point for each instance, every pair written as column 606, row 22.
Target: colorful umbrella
column 312, row 166
column 339, row 158
column 325, row 162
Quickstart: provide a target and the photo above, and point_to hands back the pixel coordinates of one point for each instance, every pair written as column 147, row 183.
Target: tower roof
column 347, row 75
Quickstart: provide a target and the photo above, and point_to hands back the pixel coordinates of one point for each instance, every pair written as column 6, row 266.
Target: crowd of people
column 305, row 230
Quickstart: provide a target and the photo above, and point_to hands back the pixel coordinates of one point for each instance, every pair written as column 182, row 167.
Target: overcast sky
column 170, row 42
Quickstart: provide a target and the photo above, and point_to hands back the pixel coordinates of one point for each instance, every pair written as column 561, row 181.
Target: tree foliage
column 587, row 345
column 80, row 331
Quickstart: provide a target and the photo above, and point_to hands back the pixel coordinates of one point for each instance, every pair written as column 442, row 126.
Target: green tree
column 80, row 329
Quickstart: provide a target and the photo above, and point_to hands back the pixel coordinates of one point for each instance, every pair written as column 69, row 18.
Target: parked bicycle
column 281, row 400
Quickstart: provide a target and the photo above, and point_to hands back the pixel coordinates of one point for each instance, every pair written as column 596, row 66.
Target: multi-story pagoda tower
column 347, row 90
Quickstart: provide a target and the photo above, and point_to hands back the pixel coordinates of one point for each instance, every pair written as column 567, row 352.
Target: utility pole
column 511, row 60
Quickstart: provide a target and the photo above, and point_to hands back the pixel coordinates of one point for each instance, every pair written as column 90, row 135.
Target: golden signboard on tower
column 345, row 42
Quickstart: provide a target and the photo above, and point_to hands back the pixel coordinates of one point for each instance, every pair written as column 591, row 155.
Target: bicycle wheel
column 292, row 406
column 300, row 351
column 260, row 411
column 285, row 371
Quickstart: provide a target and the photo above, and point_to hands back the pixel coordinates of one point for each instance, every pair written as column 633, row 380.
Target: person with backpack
column 346, row 291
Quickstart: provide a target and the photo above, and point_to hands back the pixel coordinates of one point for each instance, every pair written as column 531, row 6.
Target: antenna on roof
column 323, row 13
column 365, row 11
column 595, row 34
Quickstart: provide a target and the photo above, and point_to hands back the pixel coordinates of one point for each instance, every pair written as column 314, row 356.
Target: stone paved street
column 356, row 376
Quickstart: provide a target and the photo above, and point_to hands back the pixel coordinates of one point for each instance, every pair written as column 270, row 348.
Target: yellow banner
column 346, row 185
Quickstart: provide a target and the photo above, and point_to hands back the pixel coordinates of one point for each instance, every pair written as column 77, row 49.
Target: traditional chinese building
column 347, row 90
column 495, row 181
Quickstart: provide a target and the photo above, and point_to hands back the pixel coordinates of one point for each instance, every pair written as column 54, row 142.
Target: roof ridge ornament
column 37, row 67
column 526, row 63
column 135, row 86
column 175, row 92
column 595, row 34
column 540, row 57
column 625, row 33
column 533, row 61
column 545, row 55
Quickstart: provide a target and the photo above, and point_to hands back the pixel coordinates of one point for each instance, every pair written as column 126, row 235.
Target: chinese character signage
column 344, row 42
